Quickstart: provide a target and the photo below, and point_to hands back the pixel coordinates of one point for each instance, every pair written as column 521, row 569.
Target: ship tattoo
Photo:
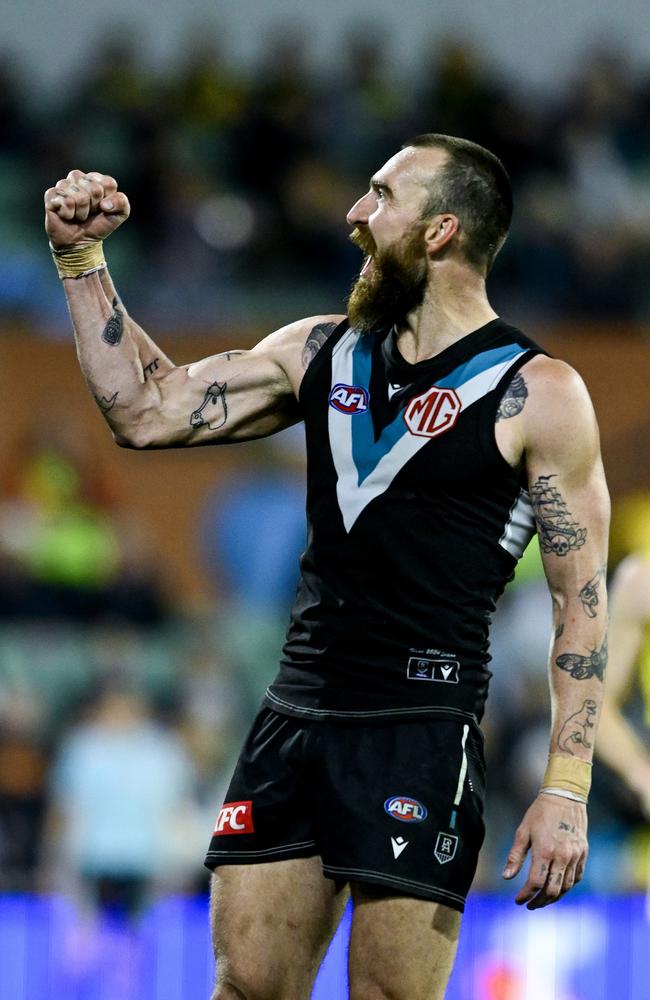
column 558, row 532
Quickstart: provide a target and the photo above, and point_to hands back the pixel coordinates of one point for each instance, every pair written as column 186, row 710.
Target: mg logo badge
column 445, row 849
column 432, row 413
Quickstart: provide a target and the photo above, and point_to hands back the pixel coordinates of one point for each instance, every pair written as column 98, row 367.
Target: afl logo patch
column 349, row 399
column 432, row 413
column 406, row 810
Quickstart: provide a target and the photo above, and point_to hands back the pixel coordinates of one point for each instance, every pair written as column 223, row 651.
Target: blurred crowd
column 240, row 179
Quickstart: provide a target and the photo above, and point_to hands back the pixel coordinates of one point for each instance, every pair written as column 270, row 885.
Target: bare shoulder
column 631, row 585
column 550, row 377
column 558, row 412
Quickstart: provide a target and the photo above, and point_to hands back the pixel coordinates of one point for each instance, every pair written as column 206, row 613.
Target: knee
column 226, row 991
column 367, row 988
column 247, row 986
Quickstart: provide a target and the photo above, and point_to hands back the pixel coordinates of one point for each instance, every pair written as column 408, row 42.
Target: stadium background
column 143, row 596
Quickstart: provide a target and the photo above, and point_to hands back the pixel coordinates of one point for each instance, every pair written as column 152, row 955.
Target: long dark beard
column 394, row 285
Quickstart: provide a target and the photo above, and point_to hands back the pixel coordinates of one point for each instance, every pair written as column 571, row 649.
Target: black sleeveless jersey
column 416, row 523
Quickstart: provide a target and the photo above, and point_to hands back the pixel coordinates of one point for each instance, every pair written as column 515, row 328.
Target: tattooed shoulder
column 315, row 340
column 513, row 399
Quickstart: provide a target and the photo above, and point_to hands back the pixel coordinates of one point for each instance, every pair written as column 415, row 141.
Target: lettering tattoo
column 105, row 404
column 513, row 399
column 317, row 337
column 215, row 396
column 151, row 368
column 567, row 827
column 589, row 594
column 112, row 333
column 583, row 668
column 576, row 729
column 558, row 532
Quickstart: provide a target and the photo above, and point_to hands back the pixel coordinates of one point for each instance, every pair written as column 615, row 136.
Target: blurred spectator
column 62, row 541
column 23, row 769
column 125, row 815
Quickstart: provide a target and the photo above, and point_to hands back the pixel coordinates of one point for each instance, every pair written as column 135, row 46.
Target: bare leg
column 401, row 948
column 271, row 924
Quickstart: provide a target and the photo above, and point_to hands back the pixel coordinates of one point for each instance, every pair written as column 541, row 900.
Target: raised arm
column 618, row 745
column 560, row 447
column 147, row 401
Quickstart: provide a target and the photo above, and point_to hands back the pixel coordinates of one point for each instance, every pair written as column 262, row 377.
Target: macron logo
column 399, row 844
column 235, row 817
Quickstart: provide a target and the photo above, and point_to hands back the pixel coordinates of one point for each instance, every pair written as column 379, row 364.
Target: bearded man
column 438, row 438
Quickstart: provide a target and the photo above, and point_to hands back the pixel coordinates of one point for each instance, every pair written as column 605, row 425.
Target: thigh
column 400, row 948
column 271, row 924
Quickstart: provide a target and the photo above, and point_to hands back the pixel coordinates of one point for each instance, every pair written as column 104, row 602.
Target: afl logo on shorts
column 432, row 413
column 349, row 399
column 405, row 810
column 235, row 817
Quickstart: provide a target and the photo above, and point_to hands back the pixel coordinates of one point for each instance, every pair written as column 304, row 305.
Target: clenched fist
column 83, row 208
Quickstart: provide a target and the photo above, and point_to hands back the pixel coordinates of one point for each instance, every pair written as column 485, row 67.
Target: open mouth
column 364, row 241
column 367, row 265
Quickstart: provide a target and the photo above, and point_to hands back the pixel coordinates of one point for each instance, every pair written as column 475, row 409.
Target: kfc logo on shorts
column 406, row 810
column 432, row 413
column 235, row 817
column 349, row 399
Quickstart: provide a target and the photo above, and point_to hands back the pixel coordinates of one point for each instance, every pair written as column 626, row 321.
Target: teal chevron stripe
column 366, row 452
column 478, row 364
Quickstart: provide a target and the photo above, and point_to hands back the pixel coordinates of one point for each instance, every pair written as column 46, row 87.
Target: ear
column 440, row 230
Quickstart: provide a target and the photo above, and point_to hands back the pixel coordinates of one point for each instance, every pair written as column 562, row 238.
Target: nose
column 358, row 214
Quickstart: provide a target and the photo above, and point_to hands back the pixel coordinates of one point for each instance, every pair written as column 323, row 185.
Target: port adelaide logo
column 445, row 849
column 432, row 413
column 349, row 399
column 405, row 809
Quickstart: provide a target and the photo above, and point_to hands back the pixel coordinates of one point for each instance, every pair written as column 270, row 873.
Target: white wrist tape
column 563, row 794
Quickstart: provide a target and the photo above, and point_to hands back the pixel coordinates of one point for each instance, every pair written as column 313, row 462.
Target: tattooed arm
column 148, row 401
column 618, row 744
column 559, row 446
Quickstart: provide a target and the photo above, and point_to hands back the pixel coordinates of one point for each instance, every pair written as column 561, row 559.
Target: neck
column 455, row 304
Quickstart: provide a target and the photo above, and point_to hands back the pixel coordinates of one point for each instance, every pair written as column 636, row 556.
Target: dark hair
column 474, row 185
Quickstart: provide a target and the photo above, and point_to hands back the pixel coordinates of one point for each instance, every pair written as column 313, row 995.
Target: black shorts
column 398, row 804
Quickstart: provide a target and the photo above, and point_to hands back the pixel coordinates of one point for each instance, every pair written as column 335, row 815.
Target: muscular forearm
column 120, row 362
column 577, row 664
